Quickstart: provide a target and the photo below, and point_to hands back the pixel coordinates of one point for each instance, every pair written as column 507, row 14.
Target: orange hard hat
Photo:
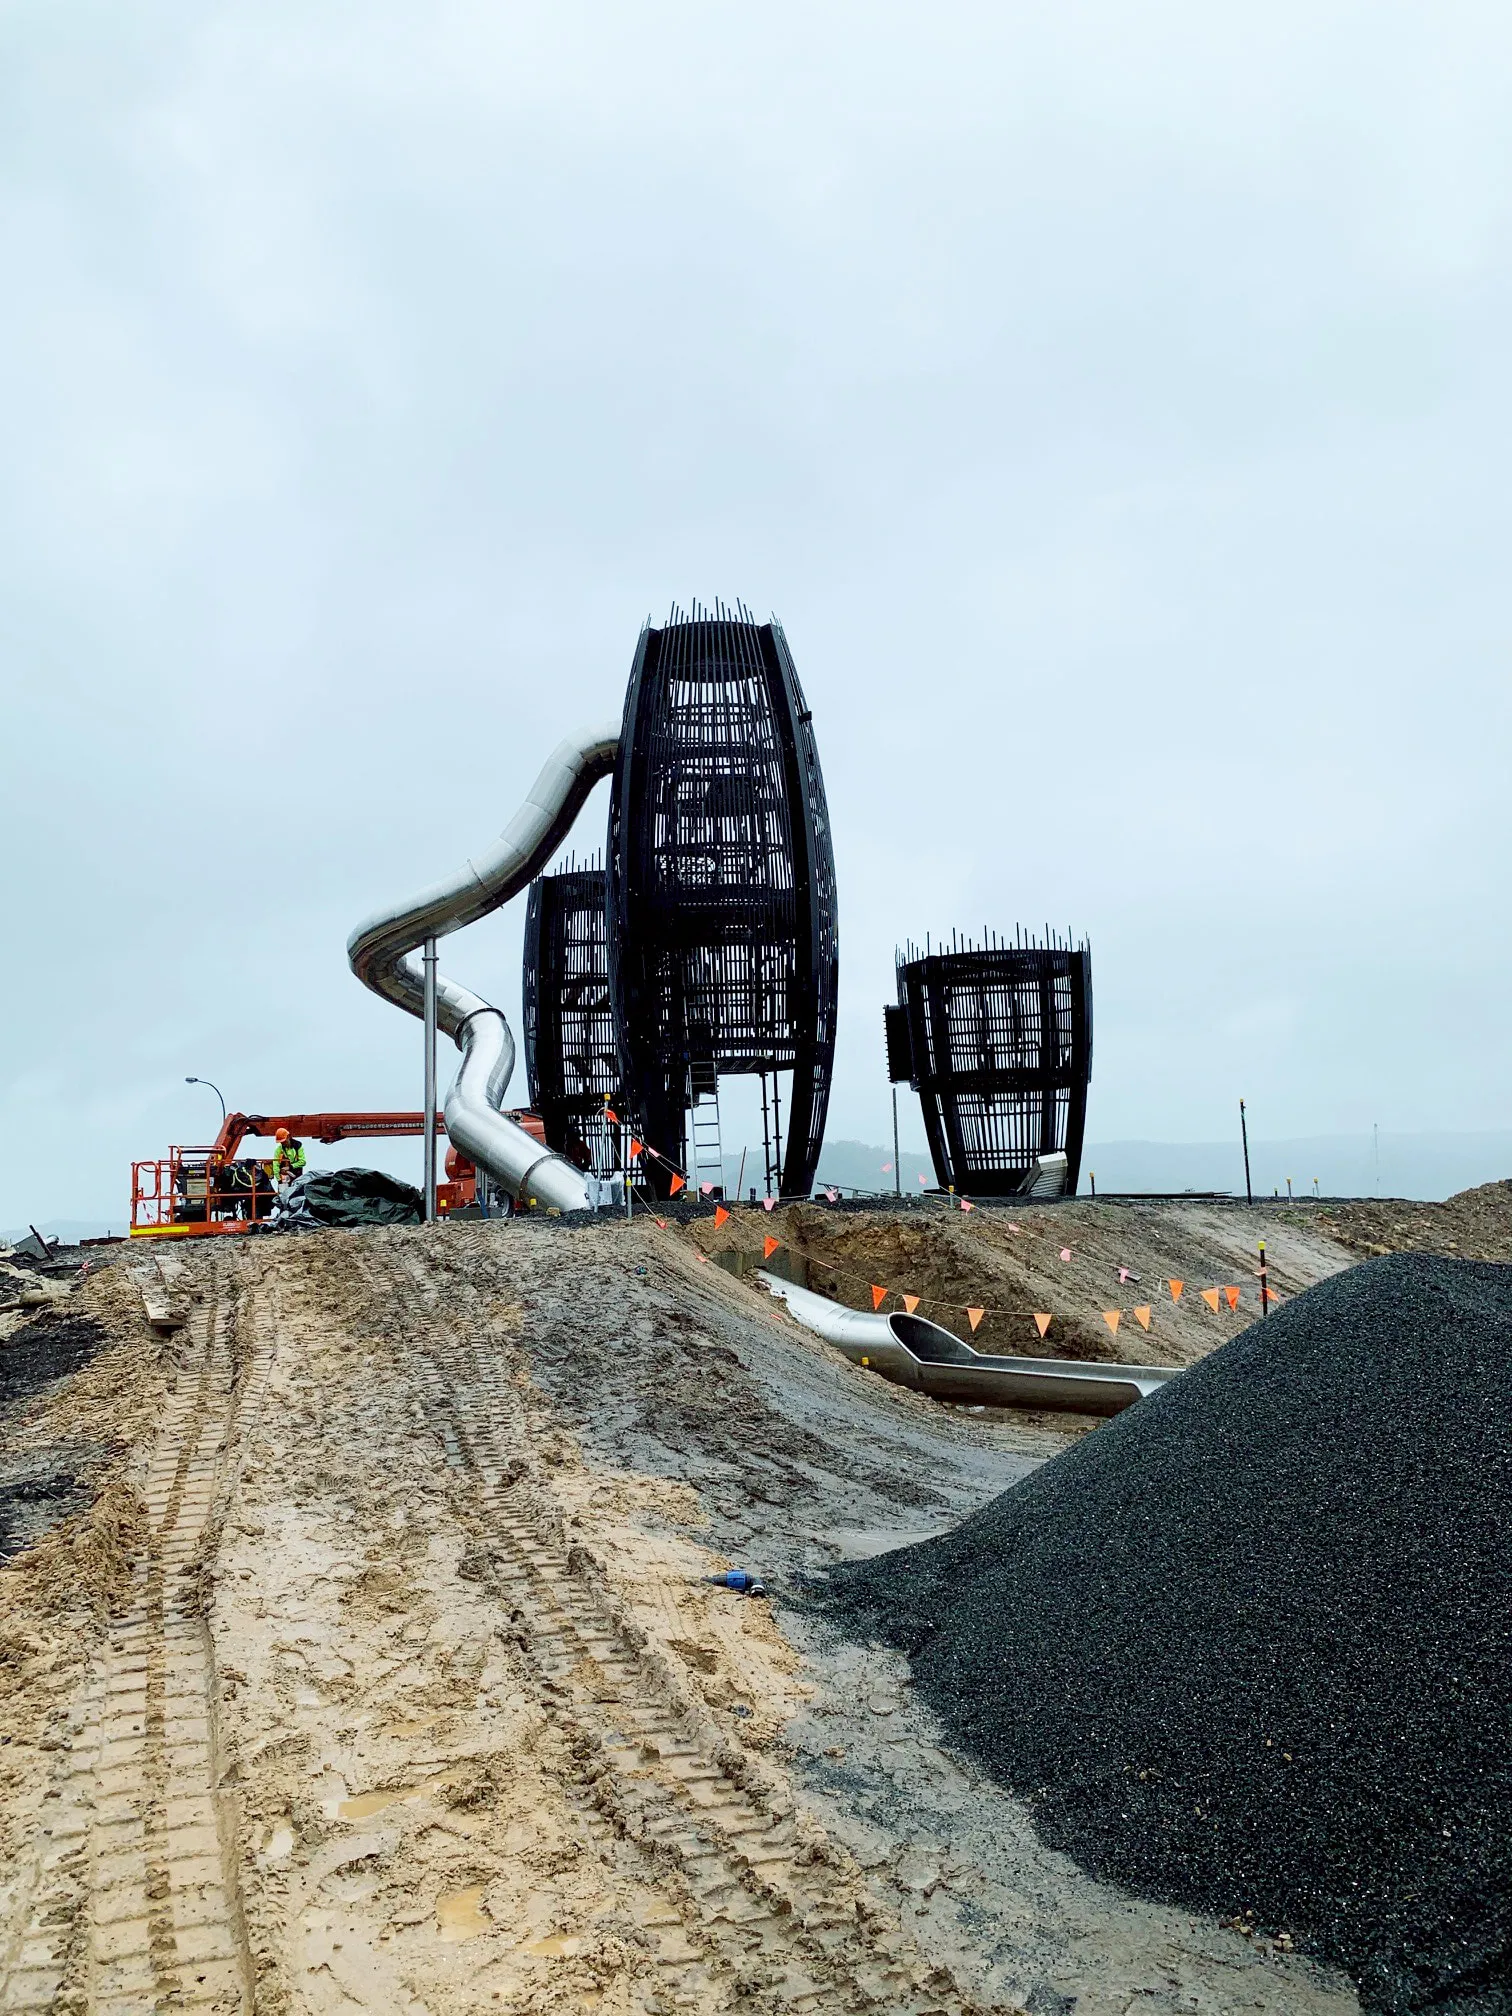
column 282, row 1134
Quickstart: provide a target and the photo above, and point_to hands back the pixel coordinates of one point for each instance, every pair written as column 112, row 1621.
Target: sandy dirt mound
column 413, row 1697
column 1474, row 1225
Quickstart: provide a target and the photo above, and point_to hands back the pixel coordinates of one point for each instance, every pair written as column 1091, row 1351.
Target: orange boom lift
column 194, row 1192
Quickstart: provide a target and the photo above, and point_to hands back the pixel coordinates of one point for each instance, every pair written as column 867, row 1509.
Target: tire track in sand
column 143, row 1821
column 763, row 1893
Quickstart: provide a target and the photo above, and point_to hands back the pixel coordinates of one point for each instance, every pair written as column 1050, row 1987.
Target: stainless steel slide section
column 379, row 953
column 913, row 1352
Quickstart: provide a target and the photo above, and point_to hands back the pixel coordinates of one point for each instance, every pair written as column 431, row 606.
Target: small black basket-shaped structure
column 571, row 1053
column 997, row 1041
column 723, row 946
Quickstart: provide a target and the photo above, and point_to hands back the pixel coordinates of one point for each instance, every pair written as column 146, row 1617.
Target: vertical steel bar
column 897, row 1172
column 430, row 1081
column 1249, row 1195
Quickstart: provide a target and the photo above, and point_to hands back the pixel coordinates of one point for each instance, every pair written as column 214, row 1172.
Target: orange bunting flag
column 661, row 1222
column 720, row 1216
column 1210, row 1296
column 610, row 1114
column 769, row 1246
column 1065, row 1252
column 879, row 1296
column 635, row 1146
column 1176, row 1288
column 967, row 1205
column 677, row 1184
column 974, row 1316
column 1011, row 1226
column 1231, row 1296
column 910, row 1303
column 1142, row 1315
column 1041, row 1321
column 1110, row 1317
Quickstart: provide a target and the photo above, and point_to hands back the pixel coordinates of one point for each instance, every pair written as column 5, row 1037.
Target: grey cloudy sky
column 1113, row 403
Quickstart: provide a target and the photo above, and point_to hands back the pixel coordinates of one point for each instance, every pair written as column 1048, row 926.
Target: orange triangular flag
column 1110, row 1317
column 1210, row 1296
column 769, row 1246
column 1176, row 1288
column 879, row 1296
column 635, row 1146
column 1231, row 1296
column 720, row 1216
column 610, row 1114
column 677, row 1184
column 974, row 1316
column 660, row 1221
column 1142, row 1315
column 1041, row 1321
column 910, row 1303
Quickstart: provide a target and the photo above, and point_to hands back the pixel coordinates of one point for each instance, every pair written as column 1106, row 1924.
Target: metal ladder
column 705, row 1147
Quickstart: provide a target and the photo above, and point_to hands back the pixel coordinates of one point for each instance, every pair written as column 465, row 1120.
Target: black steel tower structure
column 571, row 1051
column 723, row 946
column 996, row 1039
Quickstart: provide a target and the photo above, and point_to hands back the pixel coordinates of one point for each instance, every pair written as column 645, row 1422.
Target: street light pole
column 216, row 1090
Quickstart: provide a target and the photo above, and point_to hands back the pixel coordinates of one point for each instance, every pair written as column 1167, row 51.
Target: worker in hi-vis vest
column 288, row 1160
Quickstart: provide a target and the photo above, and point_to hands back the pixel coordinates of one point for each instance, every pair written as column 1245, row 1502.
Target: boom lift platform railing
column 193, row 1192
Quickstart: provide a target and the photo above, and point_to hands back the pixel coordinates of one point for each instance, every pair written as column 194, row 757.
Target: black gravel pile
column 1248, row 1647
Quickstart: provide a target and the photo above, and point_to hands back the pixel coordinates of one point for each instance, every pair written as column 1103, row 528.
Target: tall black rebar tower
column 996, row 1039
column 571, row 1050
column 723, row 942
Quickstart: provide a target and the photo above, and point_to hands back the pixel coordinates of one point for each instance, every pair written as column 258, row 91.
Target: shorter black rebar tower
column 996, row 1039
column 571, row 1051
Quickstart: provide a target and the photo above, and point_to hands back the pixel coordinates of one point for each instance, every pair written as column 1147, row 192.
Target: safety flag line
column 976, row 1312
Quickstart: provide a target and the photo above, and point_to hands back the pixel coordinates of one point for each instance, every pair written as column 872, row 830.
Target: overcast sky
column 1112, row 402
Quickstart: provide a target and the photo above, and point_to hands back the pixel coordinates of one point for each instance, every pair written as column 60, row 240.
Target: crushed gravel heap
column 1248, row 1648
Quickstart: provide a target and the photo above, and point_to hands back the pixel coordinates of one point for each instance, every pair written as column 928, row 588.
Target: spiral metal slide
column 380, row 949
column 912, row 1352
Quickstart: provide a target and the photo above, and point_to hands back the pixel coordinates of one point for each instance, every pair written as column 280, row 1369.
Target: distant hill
column 1410, row 1165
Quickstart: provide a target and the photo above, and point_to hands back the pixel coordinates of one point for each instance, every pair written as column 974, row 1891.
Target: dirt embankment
column 1076, row 1263
column 1474, row 1225
column 412, row 1695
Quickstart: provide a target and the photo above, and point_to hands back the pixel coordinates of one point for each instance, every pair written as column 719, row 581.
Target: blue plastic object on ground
column 738, row 1580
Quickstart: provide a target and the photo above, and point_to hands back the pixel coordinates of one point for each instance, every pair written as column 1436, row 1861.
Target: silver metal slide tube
column 913, row 1352
column 379, row 954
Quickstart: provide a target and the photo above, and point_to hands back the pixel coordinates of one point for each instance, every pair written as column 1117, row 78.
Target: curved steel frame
column 723, row 945
column 571, row 1052
column 997, row 1042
